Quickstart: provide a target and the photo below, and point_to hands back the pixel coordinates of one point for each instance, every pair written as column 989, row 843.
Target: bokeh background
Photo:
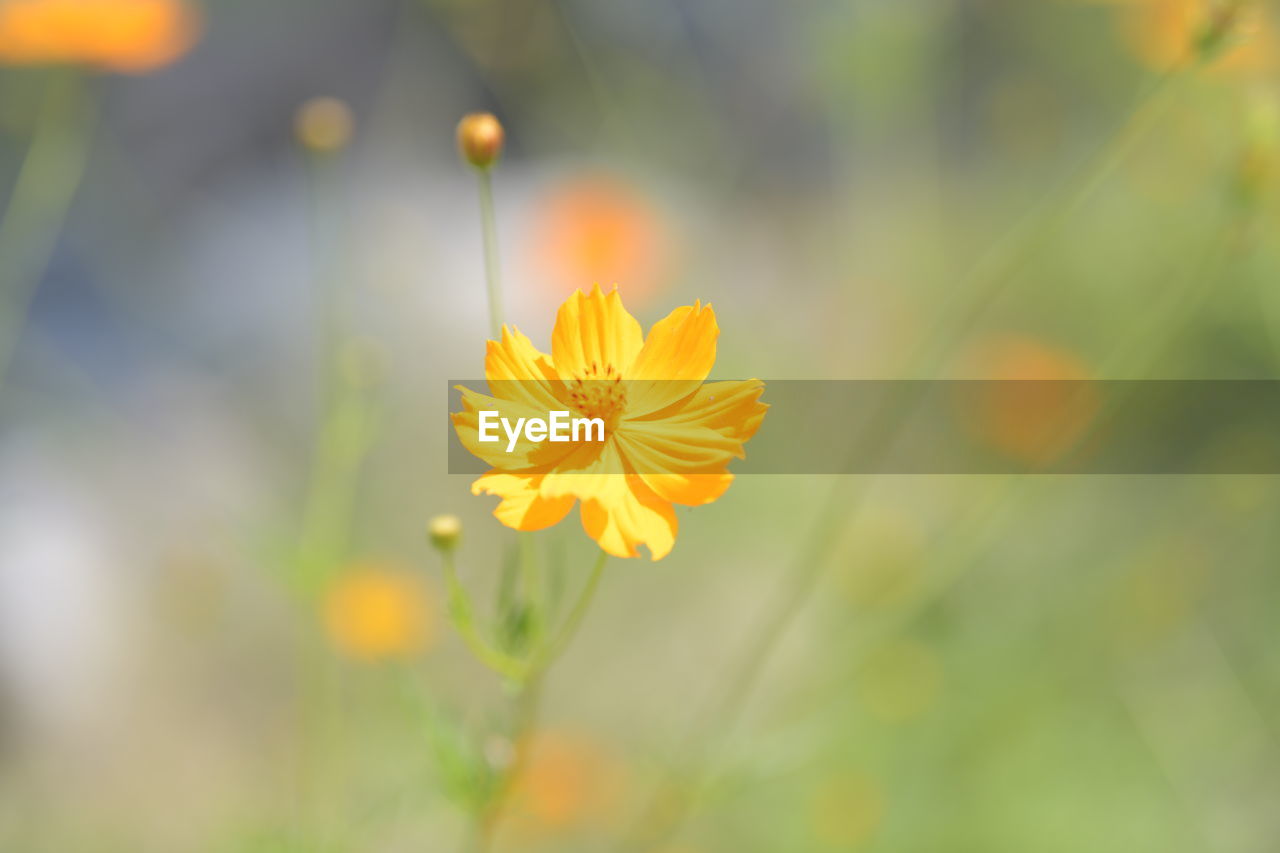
column 229, row 313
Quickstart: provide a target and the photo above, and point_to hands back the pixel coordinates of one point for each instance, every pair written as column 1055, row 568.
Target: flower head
column 668, row 435
column 131, row 36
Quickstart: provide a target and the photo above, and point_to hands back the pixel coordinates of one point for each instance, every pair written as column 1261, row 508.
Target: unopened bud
column 444, row 531
column 323, row 125
column 480, row 138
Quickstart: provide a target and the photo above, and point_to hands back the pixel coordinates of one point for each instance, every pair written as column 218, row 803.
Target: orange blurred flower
column 668, row 435
column 600, row 230
column 567, row 781
column 131, row 36
column 1167, row 34
column 374, row 612
column 1040, row 415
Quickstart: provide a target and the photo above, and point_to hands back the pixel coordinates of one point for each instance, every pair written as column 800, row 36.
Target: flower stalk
column 43, row 192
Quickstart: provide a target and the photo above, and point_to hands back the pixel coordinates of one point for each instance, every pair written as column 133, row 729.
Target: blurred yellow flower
column 131, row 36
column 1043, row 412
column 374, row 612
column 600, row 230
column 323, row 125
column 846, row 810
column 568, row 780
column 1167, row 34
column 668, row 436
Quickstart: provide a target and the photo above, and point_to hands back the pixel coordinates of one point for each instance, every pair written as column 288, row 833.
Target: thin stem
column 46, row 185
column 492, row 271
column 532, row 587
column 528, row 704
column 985, row 282
column 349, row 407
column 463, row 617
column 572, row 622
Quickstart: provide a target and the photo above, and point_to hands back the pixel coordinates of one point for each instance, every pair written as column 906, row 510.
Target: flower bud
column 480, row 138
column 323, row 125
column 444, row 531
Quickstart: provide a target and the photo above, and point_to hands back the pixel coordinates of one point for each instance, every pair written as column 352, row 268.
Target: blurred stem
column 971, row 536
column 463, row 616
column 534, row 592
column 346, row 421
column 572, row 622
column 492, row 271
column 527, row 704
column 996, row 267
column 668, row 807
column 348, row 413
column 46, row 184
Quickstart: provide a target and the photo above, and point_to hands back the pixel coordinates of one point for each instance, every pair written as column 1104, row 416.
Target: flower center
column 599, row 393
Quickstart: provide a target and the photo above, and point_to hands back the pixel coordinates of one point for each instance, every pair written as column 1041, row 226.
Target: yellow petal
column 525, row 454
column 682, row 465
column 732, row 408
column 517, row 371
column 630, row 517
column 594, row 334
column 678, row 354
column 522, row 507
column 682, row 451
column 589, row 471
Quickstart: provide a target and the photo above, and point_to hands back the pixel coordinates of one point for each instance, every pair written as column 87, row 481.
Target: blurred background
column 240, row 259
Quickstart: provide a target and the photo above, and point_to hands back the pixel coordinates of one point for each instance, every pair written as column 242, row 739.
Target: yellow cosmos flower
column 668, row 435
column 132, row 36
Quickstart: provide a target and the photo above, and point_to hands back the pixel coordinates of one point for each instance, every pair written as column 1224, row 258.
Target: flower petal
column 594, row 333
column 589, row 471
column 517, row 371
column 682, row 464
column 522, row 507
column 525, row 454
column 682, row 451
column 732, row 408
column 678, row 354
column 630, row 517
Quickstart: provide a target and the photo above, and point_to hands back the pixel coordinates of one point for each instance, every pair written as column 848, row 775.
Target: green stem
column 980, row 287
column 492, row 270
column 527, row 706
column 532, row 588
column 46, row 185
column 349, row 408
column 463, row 616
column 573, row 621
